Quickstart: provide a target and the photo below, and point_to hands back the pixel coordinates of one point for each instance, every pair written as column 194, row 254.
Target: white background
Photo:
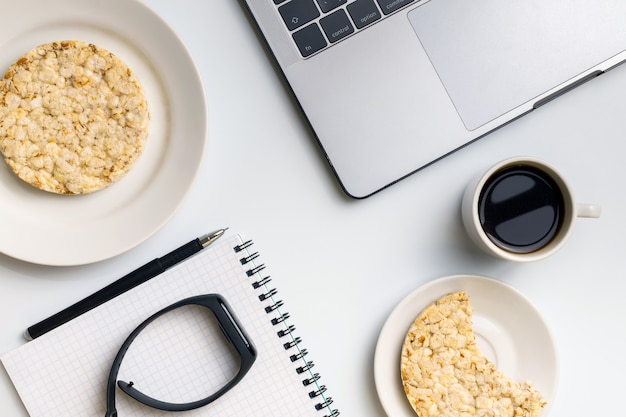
column 341, row 265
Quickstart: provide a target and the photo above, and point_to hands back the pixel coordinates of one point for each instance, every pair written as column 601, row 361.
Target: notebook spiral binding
column 292, row 343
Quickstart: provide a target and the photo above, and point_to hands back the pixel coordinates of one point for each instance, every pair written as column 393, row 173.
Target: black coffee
column 521, row 209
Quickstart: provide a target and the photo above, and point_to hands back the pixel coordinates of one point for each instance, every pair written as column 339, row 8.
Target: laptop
column 391, row 86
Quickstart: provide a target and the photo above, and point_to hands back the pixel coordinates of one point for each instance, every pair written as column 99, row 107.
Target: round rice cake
column 73, row 117
column 444, row 373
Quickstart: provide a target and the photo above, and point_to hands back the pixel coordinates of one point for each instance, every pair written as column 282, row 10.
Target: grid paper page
column 64, row 372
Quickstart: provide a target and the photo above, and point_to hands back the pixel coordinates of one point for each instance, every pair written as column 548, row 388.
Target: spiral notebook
column 64, row 372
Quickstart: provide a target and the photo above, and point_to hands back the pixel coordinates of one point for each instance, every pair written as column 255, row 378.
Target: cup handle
column 588, row 210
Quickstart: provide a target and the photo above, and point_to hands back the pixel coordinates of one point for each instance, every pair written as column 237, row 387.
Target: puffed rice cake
column 73, row 117
column 445, row 375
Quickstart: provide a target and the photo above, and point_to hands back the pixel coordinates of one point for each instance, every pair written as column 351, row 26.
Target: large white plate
column 45, row 228
column 508, row 329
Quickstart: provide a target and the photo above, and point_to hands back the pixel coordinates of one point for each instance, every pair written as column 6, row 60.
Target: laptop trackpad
column 495, row 55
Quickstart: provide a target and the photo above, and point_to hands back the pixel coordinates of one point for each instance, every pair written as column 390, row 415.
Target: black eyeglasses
column 233, row 332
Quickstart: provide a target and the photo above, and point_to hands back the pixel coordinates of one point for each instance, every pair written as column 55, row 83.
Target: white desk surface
column 341, row 265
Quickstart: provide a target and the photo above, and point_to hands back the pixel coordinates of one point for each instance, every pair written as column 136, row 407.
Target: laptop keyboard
column 317, row 24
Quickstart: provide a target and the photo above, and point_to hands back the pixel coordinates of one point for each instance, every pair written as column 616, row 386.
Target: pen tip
column 27, row 336
column 211, row 237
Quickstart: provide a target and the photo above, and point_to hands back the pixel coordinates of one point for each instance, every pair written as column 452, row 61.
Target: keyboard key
column 328, row 5
column 363, row 12
column 390, row 6
column 297, row 13
column 309, row 40
column 336, row 25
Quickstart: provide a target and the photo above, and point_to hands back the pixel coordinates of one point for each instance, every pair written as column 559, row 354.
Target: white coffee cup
column 491, row 197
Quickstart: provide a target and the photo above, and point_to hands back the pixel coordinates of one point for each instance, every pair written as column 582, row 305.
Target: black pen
column 127, row 282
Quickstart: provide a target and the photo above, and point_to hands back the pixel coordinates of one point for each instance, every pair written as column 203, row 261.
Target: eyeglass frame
column 231, row 328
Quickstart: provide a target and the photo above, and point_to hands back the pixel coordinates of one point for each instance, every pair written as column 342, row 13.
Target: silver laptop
column 390, row 86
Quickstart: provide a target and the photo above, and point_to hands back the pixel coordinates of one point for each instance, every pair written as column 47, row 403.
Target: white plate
column 508, row 329
column 45, row 228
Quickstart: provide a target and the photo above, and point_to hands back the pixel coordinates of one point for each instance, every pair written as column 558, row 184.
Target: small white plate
column 45, row 228
column 509, row 331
